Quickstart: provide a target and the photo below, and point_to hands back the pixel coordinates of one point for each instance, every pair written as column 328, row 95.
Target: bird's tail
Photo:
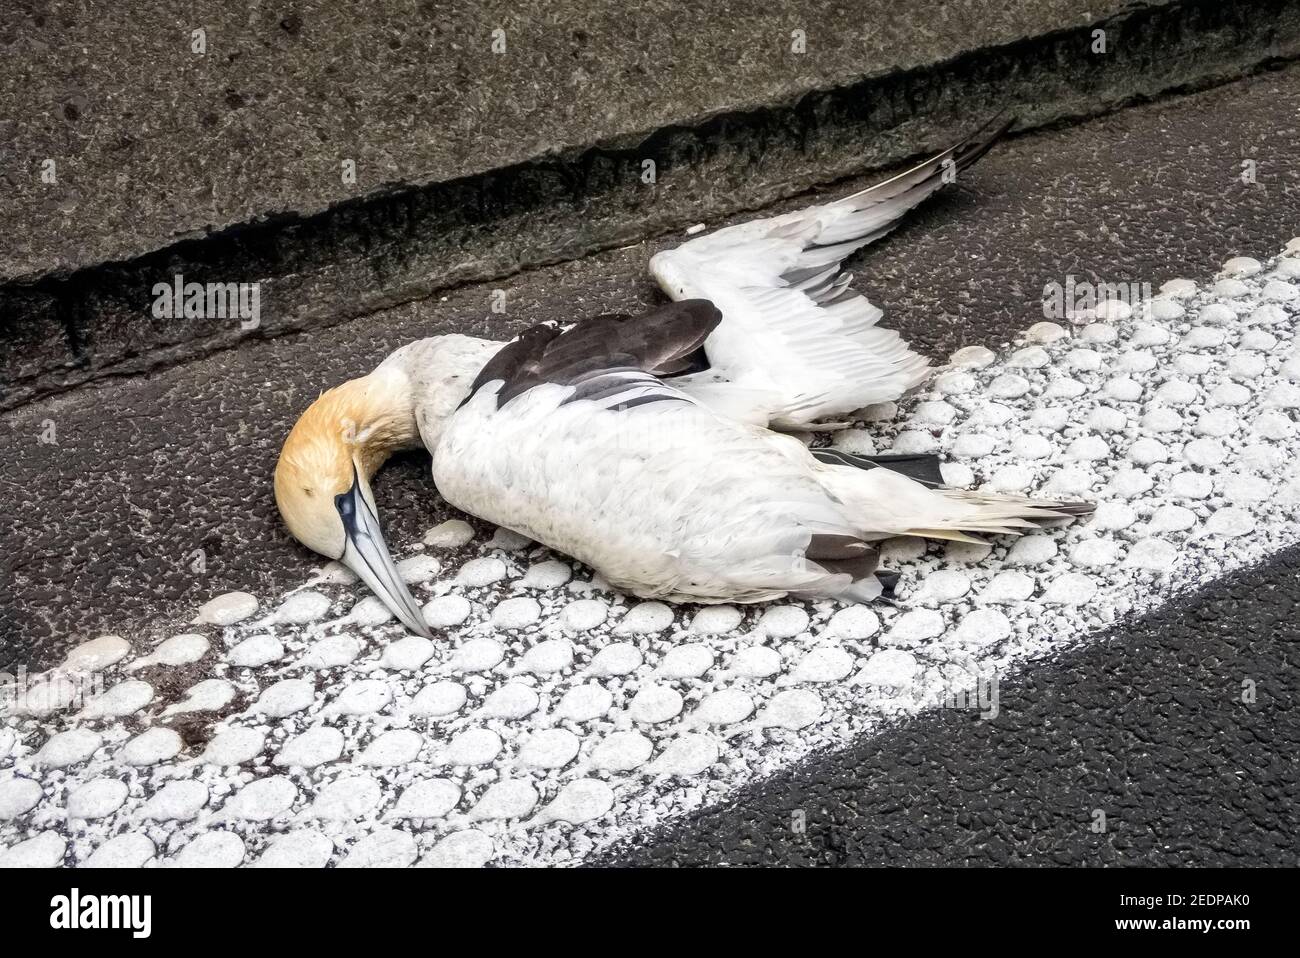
column 966, row 511
column 897, row 496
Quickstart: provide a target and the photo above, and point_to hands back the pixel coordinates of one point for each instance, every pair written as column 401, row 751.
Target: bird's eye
column 307, row 492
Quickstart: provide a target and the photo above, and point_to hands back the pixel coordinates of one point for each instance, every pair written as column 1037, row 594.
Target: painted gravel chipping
column 554, row 717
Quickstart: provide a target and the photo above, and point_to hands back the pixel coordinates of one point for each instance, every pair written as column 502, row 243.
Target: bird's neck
column 370, row 418
column 443, row 370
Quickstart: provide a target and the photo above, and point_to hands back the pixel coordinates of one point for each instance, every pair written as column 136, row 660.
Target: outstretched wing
column 797, row 343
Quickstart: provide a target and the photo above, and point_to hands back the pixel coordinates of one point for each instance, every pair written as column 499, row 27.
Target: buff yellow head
column 322, row 480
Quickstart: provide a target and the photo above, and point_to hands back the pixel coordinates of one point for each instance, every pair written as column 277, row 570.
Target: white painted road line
column 559, row 718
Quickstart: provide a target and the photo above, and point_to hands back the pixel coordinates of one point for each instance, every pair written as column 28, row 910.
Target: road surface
column 1122, row 735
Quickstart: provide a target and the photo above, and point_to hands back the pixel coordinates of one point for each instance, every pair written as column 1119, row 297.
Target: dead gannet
column 641, row 446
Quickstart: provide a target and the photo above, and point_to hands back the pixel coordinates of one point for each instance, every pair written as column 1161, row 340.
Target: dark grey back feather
column 605, row 354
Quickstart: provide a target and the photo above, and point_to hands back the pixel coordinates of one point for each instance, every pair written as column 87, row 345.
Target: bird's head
column 322, row 481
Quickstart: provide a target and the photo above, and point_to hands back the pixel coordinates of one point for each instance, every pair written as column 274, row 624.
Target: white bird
column 644, row 446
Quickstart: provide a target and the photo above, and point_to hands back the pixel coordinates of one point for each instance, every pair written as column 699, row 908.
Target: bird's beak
column 366, row 554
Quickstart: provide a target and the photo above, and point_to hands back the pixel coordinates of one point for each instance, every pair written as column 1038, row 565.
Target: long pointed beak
column 366, row 554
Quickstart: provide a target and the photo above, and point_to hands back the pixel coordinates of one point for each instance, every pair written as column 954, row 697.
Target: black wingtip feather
column 888, row 583
column 922, row 468
column 981, row 141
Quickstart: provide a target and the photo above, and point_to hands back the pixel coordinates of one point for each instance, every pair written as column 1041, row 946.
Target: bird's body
column 665, row 499
column 644, row 447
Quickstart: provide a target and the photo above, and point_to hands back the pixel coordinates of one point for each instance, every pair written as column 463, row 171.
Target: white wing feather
column 799, row 343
